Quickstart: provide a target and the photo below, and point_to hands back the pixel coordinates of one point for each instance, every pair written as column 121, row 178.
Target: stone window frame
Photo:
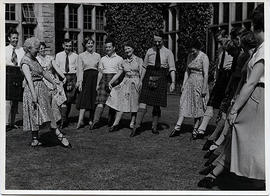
column 10, row 14
column 87, row 17
column 28, row 14
column 73, row 16
column 100, row 43
column 28, row 31
column 100, row 18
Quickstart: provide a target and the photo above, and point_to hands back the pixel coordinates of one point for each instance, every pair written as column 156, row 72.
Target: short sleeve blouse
column 36, row 70
column 257, row 56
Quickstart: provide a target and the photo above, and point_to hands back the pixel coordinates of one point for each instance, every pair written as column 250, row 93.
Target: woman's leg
column 176, row 130
column 209, row 113
column 133, row 118
column 35, row 141
column 91, row 116
column 117, row 118
column 196, row 123
column 179, row 123
column 80, row 120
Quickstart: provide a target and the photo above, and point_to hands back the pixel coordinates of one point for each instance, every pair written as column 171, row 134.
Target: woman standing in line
column 247, row 113
column 87, row 72
column 194, row 89
column 47, row 63
column 125, row 96
column 36, row 102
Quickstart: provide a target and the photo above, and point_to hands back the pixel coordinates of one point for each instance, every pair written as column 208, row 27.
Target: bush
column 194, row 19
column 133, row 21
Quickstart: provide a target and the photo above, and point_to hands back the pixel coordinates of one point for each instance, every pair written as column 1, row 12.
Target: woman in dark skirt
column 87, row 80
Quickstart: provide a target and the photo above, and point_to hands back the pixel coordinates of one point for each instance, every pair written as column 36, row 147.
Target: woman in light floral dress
column 36, row 100
column 125, row 96
column 195, row 91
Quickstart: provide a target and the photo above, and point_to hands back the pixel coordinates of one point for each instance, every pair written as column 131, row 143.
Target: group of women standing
column 240, row 147
column 44, row 95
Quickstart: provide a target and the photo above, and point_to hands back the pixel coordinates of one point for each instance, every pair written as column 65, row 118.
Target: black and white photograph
column 134, row 96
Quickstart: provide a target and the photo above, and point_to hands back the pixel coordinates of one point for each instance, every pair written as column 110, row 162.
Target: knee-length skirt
column 33, row 117
column 192, row 104
column 248, row 138
column 87, row 97
column 157, row 96
column 125, row 96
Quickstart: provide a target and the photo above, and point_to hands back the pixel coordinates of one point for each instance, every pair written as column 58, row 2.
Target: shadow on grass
column 49, row 139
column 230, row 181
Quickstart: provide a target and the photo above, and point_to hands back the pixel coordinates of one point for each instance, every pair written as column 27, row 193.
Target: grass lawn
column 108, row 161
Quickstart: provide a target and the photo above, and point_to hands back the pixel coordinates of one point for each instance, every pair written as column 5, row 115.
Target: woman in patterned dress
column 47, row 63
column 125, row 96
column 194, row 89
column 36, row 99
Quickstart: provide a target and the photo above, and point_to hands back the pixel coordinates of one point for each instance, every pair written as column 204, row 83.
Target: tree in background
column 194, row 19
column 133, row 21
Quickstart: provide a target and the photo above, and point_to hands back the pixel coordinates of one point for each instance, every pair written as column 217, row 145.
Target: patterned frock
column 125, row 96
column 56, row 99
column 34, row 117
column 192, row 104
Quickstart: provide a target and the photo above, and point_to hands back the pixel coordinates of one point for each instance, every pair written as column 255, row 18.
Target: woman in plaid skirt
column 125, row 96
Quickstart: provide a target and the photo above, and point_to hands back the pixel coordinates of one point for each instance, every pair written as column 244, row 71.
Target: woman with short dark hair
column 125, row 96
column 195, row 91
column 87, row 73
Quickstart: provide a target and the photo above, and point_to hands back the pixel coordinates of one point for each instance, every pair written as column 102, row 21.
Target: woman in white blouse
column 87, row 73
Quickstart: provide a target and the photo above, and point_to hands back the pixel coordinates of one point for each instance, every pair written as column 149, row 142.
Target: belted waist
column 195, row 72
column 37, row 79
column 132, row 76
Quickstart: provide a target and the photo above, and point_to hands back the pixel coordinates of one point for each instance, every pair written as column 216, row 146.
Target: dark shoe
column 207, row 182
column 155, row 131
column 80, row 125
column 114, row 128
column 207, row 144
column 194, row 133
column 64, row 124
column 210, row 160
column 207, row 170
column 61, row 139
column 35, row 143
column 211, row 150
column 134, row 132
column 197, row 134
column 175, row 133
column 94, row 125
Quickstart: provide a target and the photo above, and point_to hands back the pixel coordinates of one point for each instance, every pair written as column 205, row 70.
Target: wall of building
column 45, row 29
